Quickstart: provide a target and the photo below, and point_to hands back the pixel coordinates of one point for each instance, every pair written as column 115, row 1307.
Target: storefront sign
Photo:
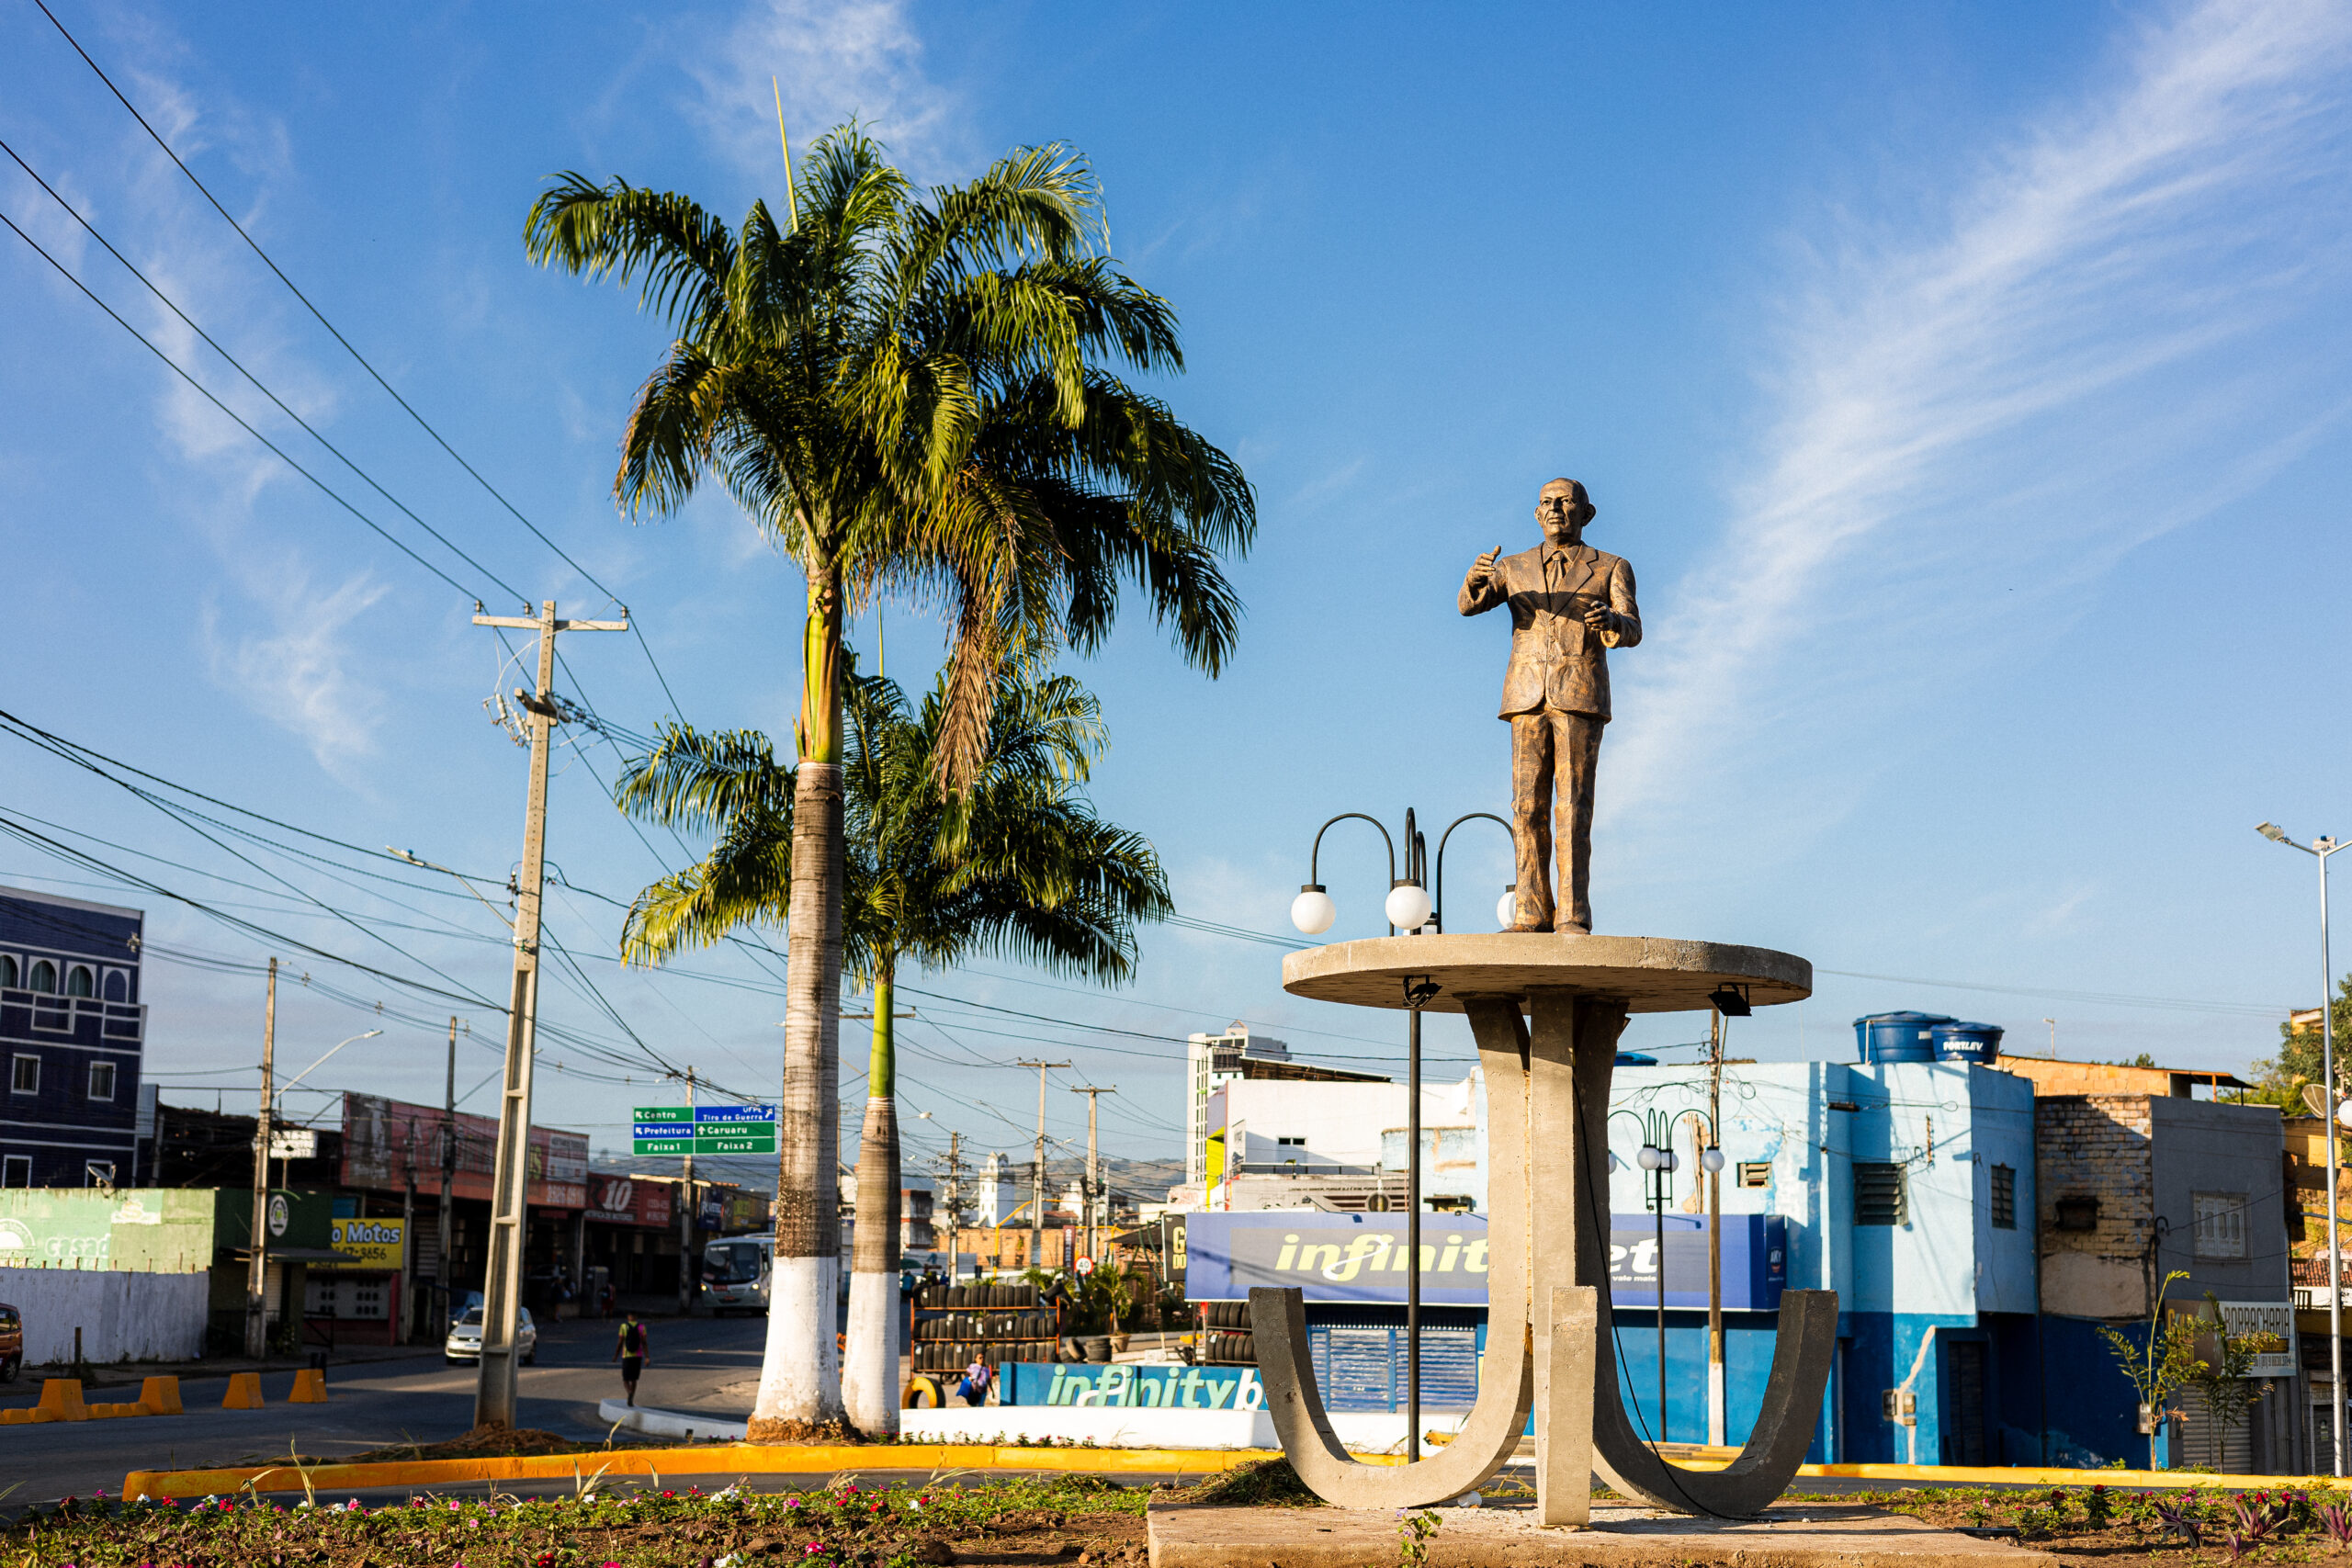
column 387, row 1143
column 151, row 1230
column 2275, row 1318
column 1130, row 1387
column 623, row 1201
column 1362, row 1257
column 372, row 1244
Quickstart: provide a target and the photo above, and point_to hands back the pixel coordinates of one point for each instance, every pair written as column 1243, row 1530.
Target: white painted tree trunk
column 800, row 1372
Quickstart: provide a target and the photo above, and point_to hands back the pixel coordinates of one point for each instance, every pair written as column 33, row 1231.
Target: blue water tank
column 1977, row 1042
column 1898, row 1036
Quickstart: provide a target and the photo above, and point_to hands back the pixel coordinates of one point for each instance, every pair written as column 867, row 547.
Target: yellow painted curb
column 712, row 1458
column 760, row 1459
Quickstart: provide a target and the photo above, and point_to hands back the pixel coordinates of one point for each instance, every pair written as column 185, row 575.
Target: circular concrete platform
column 1652, row 974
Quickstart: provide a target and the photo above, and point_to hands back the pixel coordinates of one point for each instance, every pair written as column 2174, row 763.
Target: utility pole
column 408, row 1233
column 1714, row 1174
column 257, row 1265
column 442, row 1275
column 686, row 1269
column 1091, row 1218
column 952, row 1162
column 510, row 1170
column 1037, row 1173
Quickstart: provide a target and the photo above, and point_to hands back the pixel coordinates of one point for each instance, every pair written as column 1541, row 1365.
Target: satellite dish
column 2314, row 1101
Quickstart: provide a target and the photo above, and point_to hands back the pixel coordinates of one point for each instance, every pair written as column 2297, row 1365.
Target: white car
column 464, row 1343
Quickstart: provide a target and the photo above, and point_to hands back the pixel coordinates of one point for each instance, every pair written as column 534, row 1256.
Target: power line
column 206, row 394
column 320, row 316
column 238, row 365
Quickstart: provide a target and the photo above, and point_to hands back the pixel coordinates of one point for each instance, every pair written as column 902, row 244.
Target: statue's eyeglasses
column 1555, row 503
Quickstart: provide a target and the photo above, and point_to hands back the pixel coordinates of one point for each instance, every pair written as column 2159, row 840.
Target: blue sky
column 1963, row 383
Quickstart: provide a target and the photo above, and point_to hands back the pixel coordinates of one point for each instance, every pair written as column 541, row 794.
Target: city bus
column 736, row 1271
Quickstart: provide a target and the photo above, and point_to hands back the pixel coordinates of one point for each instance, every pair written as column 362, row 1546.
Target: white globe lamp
column 1650, row 1157
column 1312, row 911
column 1507, row 907
column 1711, row 1160
column 1408, row 905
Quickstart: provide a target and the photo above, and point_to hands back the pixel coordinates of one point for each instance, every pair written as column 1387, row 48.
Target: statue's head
column 1562, row 510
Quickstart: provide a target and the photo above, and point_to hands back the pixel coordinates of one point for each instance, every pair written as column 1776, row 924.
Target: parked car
column 12, row 1342
column 464, row 1343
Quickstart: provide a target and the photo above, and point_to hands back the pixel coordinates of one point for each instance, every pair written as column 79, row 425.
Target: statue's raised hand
column 1482, row 570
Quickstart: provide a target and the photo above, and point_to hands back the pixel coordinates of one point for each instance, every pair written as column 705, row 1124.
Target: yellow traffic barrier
column 161, row 1395
column 21, row 1416
column 61, row 1400
column 310, row 1387
column 244, row 1392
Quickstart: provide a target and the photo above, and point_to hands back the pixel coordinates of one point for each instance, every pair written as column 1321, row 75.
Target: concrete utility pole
column 1093, row 1218
column 442, row 1275
column 257, row 1264
column 687, row 1271
column 1037, row 1173
column 510, row 1172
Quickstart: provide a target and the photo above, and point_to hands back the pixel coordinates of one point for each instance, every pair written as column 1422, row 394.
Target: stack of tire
column 991, row 1323
column 1226, row 1340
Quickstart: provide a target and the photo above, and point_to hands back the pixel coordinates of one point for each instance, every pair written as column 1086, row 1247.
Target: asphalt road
column 708, row 1364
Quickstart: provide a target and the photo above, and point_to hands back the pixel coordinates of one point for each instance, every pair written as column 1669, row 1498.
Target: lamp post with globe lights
column 2320, row 849
column 1409, row 908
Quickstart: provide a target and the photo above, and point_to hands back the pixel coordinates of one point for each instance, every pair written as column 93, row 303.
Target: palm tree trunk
column 870, row 1373
column 800, row 1371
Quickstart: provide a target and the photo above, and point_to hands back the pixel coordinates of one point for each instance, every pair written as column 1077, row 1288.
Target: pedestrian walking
column 630, row 1352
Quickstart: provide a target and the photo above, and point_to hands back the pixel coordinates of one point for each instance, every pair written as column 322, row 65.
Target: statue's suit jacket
column 1557, row 662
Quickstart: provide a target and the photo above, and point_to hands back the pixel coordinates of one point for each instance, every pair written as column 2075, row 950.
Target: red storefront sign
column 384, row 1141
column 625, row 1200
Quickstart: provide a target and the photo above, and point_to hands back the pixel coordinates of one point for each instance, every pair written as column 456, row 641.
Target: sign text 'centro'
column 705, row 1130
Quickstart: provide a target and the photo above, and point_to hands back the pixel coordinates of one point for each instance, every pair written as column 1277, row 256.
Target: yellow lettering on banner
column 1311, row 1259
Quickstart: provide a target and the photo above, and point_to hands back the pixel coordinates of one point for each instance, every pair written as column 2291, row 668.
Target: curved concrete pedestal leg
column 1506, row 1384
column 1804, row 1346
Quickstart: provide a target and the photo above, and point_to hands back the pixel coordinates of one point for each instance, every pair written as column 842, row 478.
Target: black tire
column 10, row 1368
column 532, row 1359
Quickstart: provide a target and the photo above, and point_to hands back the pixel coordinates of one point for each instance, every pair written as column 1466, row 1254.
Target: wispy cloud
column 859, row 58
column 298, row 674
column 2016, row 399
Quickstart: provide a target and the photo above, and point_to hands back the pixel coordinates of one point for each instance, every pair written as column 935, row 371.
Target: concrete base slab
column 1813, row 1536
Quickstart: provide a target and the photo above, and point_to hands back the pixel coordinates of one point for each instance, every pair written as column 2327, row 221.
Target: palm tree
column 1016, row 864
column 911, row 391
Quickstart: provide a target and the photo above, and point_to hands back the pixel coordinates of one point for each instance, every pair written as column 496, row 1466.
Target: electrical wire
column 204, row 392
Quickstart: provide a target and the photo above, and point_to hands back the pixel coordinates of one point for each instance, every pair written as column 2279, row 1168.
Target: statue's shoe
column 1529, row 928
column 1571, row 928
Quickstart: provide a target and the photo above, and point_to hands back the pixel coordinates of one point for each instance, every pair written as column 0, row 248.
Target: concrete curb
column 669, row 1423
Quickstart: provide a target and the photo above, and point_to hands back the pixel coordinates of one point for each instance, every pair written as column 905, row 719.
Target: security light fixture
column 1730, row 1000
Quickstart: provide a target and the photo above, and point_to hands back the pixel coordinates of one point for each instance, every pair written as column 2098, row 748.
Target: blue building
column 1907, row 1187
column 71, row 1029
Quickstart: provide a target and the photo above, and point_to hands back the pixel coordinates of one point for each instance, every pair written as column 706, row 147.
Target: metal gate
column 1963, row 1441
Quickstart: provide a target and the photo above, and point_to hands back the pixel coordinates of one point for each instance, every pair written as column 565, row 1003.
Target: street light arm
column 463, row 880
column 1438, row 912
column 1314, row 855
column 288, row 1086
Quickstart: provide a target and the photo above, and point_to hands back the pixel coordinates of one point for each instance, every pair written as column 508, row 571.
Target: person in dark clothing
column 630, row 1352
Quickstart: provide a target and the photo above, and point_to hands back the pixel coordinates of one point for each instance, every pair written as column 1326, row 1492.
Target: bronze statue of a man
column 1570, row 605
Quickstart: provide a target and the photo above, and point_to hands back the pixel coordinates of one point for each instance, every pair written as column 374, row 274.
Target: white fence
column 124, row 1316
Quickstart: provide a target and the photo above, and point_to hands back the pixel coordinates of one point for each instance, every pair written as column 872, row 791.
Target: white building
column 996, row 1202
column 1235, row 1055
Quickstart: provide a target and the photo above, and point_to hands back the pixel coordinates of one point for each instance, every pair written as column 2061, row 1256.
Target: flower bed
column 2113, row 1528
column 1064, row 1519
